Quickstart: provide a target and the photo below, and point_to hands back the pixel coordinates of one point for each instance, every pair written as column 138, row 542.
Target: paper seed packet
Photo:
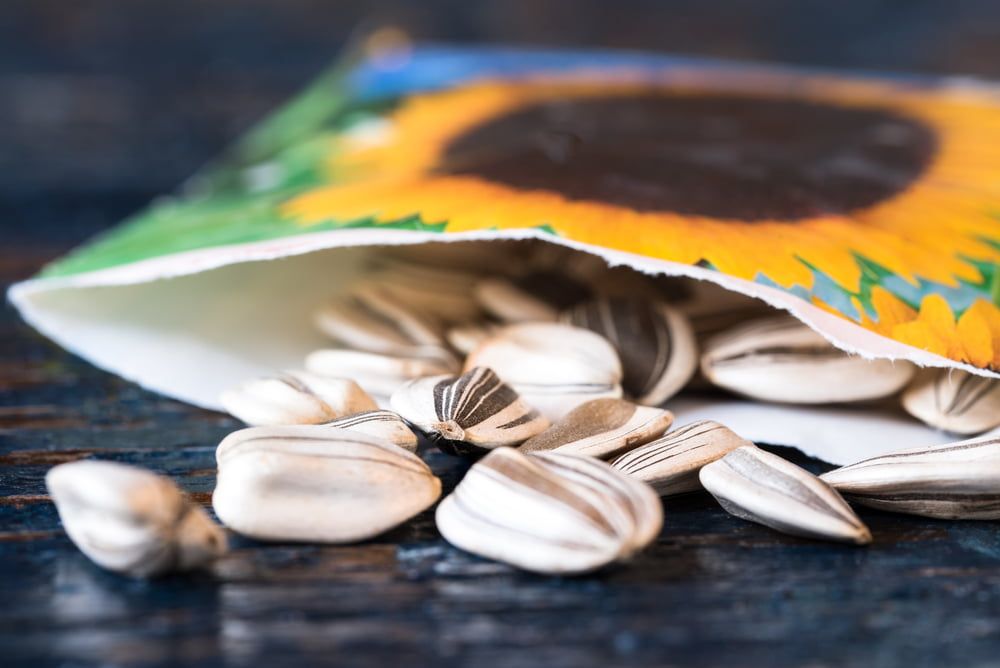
column 867, row 207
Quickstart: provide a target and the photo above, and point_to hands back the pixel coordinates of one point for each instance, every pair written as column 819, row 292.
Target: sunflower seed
column 466, row 338
column 443, row 296
column 296, row 397
column 131, row 520
column 418, row 328
column 671, row 464
column 760, row 487
column 556, row 367
column 468, row 414
column 317, row 483
column 602, row 428
column 952, row 481
column 781, row 359
column 379, row 424
column 535, row 297
column 377, row 374
column 637, row 511
column 954, row 400
column 355, row 325
column 549, row 513
column 556, row 401
column 654, row 342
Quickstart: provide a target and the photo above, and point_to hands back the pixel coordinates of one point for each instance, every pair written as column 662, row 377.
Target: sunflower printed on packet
column 822, row 186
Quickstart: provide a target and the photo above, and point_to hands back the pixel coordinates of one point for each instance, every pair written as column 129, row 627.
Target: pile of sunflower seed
column 551, row 370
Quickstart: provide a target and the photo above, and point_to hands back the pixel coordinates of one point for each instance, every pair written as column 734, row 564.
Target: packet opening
column 192, row 336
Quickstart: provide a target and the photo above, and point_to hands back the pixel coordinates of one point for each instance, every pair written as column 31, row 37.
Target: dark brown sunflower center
column 723, row 156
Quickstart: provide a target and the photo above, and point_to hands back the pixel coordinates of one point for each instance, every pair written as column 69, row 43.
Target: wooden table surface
column 109, row 104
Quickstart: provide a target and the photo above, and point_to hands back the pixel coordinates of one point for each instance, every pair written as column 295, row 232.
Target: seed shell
column 415, row 327
column 654, row 341
column 438, row 295
column 555, row 366
column 317, row 483
column 549, row 515
column 602, row 428
column 952, row 481
column 466, row 338
column 296, row 397
column 356, row 325
column 468, row 414
column 381, row 424
column 635, row 508
column 781, row 359
column 376, row 373
column 534, row 297
column 671, row 464
column 760, row 487
column 955, row 401
column 556, row 401
column 131, row 520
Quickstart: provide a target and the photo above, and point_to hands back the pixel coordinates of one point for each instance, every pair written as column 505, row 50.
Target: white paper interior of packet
column 864, row 207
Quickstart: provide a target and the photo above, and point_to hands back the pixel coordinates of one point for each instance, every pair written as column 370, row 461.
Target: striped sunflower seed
column 381, row 424
column 636, row 511
column 468, row 337
column 602, row 428
column 318, row 484
column 952, row 481
column 671, row 464
column 468, row 414
column 760, row 487
column 955, row 401
column 296, row 397
column 356, row 325
column 438, row 294
column 131, row 520
column 555, row 401
column 555, row 367
column 655, row 343
column 781, row 359
column 549, row 513
column 537, row 296
column 418, row 328
column 376, row 373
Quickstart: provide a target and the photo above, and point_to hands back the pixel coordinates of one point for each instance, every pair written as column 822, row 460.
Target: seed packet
column 867, row 207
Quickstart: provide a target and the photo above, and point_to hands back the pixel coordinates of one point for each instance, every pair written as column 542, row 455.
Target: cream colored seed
column 671, row 464
column 296, row 397
column 549, row 513
column 781, row 359
column 555, row 367
column 131, row 520
column 654, row 341
column 757, row 486
column 602, row 428
column 955, row 401
column 316, row 483
column 952, row 481
column 376, row 373
column 379, row 424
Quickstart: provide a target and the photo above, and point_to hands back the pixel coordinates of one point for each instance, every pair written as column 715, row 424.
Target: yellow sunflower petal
column 983, row 315
column 933, row 330
column 976, row 338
